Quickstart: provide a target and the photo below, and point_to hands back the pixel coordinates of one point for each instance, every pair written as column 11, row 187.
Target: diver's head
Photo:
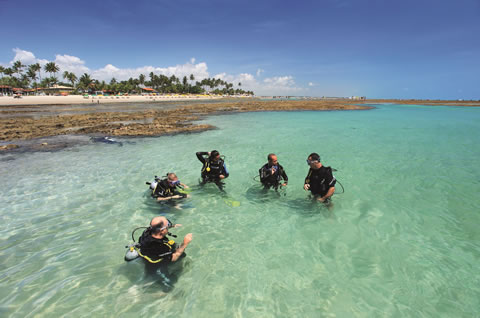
column 159, row 226
column 272, row 159
column 172, row 179
column 214, row 155
column 313, row 160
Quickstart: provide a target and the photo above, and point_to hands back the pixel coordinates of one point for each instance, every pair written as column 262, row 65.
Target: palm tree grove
column 28, row 78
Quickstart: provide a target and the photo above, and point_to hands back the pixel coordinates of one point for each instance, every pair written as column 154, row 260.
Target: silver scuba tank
column 153, row 185
column 131, row 253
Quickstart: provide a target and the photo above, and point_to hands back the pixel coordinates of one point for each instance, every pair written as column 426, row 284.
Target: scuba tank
column 133, row 249
column 131, row 253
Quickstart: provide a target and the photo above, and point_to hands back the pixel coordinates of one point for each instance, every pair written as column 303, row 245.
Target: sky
column 422, row 49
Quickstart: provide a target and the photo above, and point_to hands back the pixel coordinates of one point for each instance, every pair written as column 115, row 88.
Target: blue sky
column 376, row 48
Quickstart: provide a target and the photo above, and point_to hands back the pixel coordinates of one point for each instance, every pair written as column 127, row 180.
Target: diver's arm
column 184, row 185
column 330, row 192
column 200, row 155
column 186, row 240
column 225, row 171
column 176, row 196
column 284, row 176
column 263, row 174
column 306, row 185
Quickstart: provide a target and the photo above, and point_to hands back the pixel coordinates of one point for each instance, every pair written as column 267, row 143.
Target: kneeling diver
column 166, row 189
column 154, row 246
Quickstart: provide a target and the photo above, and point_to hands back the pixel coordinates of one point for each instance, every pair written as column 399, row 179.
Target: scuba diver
column 272, row 173
column 214, row 169
column 158, row 250
column 166, row 189
column 320, row 180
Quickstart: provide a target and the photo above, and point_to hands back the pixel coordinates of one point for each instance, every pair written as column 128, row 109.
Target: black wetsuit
column 320, row 180
column 155, row 248
column 212, row 170
column 164, row 190
column 272, row 180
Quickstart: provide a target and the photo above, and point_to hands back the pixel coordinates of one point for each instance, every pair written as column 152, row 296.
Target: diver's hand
column 320, row 199
column 177, row 225
column 284, row 184
column 306, row 186
column 176, row 196
column 221, row 176
column 187, row 239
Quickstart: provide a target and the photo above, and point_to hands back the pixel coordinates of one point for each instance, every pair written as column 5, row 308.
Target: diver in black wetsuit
column 155, row 245
column 272, row 173
column 158, row 250
column 214, row 168
column 320, row 180
column 166, row 189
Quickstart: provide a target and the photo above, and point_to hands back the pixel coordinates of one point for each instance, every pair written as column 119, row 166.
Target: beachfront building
column 148, row 90
column 5, row 90
column 56, row 90
column 23, row 91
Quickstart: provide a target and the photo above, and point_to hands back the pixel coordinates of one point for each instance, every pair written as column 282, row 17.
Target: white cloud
column 281, row 85
column 71, row 64
column 283, row 81
column 25, row 57
column 311, row 84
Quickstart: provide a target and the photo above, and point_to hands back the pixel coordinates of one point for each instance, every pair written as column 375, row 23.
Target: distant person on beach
column 166, row 189
column 214, row 168
column 272, row 173
column 320, row 180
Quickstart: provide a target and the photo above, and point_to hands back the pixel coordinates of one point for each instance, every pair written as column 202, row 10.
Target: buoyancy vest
column 213, row 169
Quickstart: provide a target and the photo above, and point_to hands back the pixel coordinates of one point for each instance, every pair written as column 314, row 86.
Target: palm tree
column 66, row 74
column 151, row 78
column 24, row 81
column 85, row 81
column 2, row 70
column 141, row 79
column 32, row 75
column 18, row 67
column 185, row 83
column 72, row 78
column 192, row 78
column 8, row 71
column 51, row 67
column 36, row 68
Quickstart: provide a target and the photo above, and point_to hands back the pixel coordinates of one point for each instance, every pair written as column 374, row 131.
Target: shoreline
column 37, row 127
column 79, row 99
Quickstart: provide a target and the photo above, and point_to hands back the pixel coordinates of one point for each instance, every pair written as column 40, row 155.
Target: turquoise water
column 402, row 241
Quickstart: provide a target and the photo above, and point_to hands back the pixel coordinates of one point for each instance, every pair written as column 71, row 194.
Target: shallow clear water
column 402, row 241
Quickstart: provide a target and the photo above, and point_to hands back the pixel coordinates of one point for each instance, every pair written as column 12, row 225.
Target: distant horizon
column 401, row 50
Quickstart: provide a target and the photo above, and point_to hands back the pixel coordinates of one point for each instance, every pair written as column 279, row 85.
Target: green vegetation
column 15, row 77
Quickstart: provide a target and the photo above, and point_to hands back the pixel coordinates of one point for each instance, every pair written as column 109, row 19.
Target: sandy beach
column 78, row 99
column 32, row 122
